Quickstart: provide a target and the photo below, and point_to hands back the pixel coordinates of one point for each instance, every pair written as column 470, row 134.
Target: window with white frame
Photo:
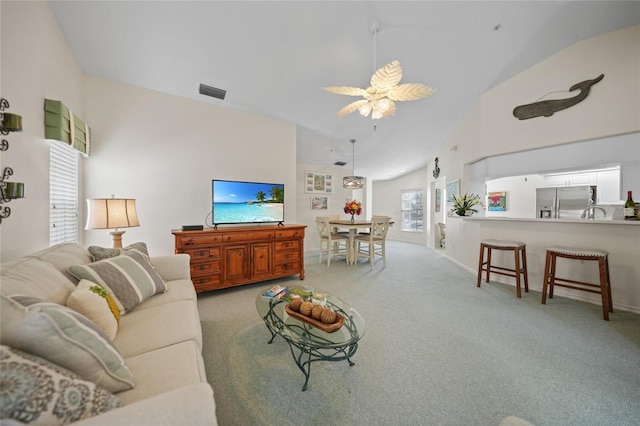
column 63, row 194
column 411, row 210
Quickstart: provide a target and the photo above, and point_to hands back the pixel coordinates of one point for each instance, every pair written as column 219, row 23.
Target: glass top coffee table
column 307, row 342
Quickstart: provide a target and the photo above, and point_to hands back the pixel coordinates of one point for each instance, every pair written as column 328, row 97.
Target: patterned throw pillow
column 101, row 253
column 129, row 278
column 38, row 392
column 68, row 339
column 95, row 303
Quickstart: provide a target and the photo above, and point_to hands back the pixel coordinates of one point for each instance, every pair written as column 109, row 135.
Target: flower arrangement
column 465, row 203
column 353, row 207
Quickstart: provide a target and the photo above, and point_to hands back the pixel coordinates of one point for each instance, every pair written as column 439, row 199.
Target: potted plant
column 463, row 205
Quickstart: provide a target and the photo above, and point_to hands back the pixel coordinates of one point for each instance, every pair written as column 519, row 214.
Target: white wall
column 161, row 150
column 335, row 201
column 610, row 109
column 386, row 198
column 521, row 195
column 489, row 128
column 164, row 151
column 36, row 63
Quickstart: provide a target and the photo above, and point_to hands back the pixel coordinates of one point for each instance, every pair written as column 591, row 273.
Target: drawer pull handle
column 202, row 267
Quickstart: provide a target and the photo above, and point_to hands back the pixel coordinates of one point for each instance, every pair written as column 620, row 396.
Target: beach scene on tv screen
column 247, row 202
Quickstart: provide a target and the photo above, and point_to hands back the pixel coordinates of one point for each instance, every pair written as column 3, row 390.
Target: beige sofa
column 160, row 339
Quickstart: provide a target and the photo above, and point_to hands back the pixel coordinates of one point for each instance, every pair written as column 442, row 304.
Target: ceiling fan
column 384, row 89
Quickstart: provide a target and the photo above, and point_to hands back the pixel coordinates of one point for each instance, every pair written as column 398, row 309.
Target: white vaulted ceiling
column 274, row 57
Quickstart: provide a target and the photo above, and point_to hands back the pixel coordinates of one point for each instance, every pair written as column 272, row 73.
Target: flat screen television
column 235, row 202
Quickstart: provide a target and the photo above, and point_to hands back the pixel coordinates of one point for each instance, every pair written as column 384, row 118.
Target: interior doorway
column 438, row 213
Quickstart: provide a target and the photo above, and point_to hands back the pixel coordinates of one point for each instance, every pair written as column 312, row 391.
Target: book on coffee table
column 277, row 291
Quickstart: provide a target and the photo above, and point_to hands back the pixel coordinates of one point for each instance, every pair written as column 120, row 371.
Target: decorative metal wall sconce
column 8, row 190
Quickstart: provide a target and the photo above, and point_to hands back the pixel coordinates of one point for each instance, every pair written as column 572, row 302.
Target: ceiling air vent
column 340, row 163
column 214, row 92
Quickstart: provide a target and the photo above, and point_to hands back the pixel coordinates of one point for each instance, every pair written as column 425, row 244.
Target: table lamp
column 112, row 213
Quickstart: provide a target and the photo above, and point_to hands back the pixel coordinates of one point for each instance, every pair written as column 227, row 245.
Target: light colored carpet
column 437, row 351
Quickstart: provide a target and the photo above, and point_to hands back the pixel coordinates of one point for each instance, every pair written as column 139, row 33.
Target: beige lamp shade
column 109, row 213
column 112, row 213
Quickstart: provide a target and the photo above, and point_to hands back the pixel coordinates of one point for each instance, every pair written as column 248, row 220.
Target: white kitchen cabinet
column 608, row 187
column 570, row 179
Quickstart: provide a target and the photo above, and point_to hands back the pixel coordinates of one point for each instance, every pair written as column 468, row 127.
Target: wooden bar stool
column 520, row 258
column 600, row 256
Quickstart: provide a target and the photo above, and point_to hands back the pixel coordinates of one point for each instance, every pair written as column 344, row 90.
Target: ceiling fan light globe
column 365, row 109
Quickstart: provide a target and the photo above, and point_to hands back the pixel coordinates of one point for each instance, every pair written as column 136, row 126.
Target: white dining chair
column 335, row 228
column 443, row 229
column 373, row 244
column 368, row 231
column 331, row 244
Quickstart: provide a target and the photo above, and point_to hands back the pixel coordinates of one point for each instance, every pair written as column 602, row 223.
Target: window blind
column 63, row 194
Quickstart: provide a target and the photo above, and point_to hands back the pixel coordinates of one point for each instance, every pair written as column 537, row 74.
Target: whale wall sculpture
column 549, row 107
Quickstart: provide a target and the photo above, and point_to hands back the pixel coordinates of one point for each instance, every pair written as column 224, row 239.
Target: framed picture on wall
column 497, row 201
column 438, row 199
column 453, row 190
column 318, row 203
column 318, row 183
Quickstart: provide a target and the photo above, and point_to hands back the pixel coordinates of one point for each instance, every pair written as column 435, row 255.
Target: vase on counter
column 353, row 219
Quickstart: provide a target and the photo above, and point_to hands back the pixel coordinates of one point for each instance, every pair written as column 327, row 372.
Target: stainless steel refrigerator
column 565, row 202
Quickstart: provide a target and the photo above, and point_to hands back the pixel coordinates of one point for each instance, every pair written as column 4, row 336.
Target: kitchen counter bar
column 621, row 238
column 538, row 220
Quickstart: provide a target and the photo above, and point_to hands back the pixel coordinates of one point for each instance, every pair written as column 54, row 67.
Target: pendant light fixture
column 353, row 181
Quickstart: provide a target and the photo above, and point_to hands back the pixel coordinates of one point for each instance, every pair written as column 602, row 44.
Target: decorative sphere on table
column 295, row 304
column 316, row 311
column 306, row 308
column 328, row 316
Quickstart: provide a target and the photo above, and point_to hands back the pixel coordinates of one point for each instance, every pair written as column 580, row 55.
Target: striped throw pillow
column 129, row 278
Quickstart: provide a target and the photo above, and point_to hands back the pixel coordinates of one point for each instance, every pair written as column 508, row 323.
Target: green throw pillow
column 66, row 338
column 129, row 278
column 38, row 392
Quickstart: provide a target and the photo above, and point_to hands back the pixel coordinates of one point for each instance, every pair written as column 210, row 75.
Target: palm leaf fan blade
column 354, row 106
column 345, row 90
column 409, row 92
column 387, row 76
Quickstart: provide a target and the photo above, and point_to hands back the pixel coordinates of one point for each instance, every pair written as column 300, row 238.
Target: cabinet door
column 261, row 259
column 236, row 263
column 555, row 180
column 570, row 179
column 608, row 191
column 588, row 178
